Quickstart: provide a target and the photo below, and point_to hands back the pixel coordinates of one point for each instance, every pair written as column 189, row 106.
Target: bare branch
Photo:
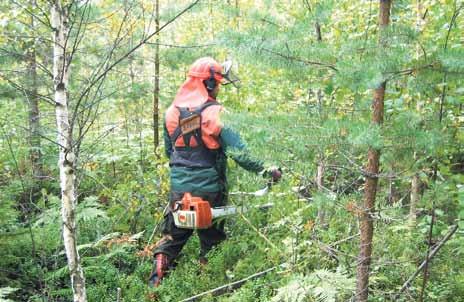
column 301, row 60
column 23, row 56
column 182, row 46
column 141, row 43
column 231, row 286
column 28, row 11
column 23, row 90
column 427, row 260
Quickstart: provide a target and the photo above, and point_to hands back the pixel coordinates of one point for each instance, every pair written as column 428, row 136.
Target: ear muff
column 211, row 82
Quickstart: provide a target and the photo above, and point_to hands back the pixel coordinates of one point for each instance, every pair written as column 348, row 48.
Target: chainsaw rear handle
column 177, row 206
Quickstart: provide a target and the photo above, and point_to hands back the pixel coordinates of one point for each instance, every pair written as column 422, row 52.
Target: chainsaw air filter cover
column 193, row 213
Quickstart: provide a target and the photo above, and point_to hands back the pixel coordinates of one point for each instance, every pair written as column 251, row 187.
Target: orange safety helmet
column 204, row 75
column 206, row 68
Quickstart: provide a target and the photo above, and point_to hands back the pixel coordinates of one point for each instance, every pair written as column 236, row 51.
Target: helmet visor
column 228, row 76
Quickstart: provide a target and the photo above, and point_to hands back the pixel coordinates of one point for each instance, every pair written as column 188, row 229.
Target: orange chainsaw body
column 193, row 213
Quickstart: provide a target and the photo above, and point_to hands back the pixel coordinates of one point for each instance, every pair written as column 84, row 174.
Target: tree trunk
column 66, row 163
column 33, row 105
column 156, row 85
column 415, row 181
column 320, row 185
column 415, row 193
column 237, row 16
column 317, row 27
column 321, row 163
column 372, row 170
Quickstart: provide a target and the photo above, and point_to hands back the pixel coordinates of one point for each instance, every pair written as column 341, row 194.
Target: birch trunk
column 66, row 163
column 372, row 170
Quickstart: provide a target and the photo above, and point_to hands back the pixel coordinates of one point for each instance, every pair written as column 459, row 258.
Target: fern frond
column 5, row 291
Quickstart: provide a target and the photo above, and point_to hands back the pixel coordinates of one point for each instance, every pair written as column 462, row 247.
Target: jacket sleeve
column 167, row 141
column 236, row 149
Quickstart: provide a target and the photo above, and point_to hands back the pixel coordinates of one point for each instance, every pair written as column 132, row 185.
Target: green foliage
column 320, row 285
column 87, row 210
column 452, row 59
column 302, row 102
column 5, row 291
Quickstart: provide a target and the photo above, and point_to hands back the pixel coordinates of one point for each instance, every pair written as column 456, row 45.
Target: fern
column 88, row 209
column 5, row 291
column 321, row 285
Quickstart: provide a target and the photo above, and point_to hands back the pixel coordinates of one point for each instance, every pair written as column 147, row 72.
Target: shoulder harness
column 190, row 124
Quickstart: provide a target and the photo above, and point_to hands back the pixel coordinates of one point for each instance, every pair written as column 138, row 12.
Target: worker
column 197, row 145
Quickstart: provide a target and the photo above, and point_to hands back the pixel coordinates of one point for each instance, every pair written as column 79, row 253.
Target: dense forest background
column 359, row 102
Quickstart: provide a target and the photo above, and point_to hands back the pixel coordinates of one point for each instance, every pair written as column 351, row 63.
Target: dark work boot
column 159, row 269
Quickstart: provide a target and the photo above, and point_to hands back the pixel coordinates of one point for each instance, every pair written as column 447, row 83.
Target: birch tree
column 66, row 119
column 66, row 162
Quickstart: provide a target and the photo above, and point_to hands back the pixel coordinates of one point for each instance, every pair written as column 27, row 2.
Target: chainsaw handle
column 177, row 206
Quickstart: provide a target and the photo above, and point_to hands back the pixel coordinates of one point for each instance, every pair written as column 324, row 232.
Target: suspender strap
column 185, row 113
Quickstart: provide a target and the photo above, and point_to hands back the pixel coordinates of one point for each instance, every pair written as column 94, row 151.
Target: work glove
column 275, row 173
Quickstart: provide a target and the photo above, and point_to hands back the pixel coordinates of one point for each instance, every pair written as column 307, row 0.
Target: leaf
column 90, row 209
column 5, row 291
column 322, row 285
column 90, row 213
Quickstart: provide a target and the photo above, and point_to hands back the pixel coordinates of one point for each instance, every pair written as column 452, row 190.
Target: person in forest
column 198, row 159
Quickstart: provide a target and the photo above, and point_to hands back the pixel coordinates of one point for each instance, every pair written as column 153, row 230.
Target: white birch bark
column 61, row 72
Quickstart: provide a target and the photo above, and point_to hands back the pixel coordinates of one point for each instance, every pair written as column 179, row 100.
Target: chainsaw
column 195, row 213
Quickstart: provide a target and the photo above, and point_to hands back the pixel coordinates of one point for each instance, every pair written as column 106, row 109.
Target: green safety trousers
column 175, row 238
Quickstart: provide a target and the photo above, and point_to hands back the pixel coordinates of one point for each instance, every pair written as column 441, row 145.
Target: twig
column 231, row 286
column 343, row 240
column 155, row 229
column 426, row 265
column 428, row 258
column 258, row 232
column 28, row 11
column 23, row 208
column 304, row 61
column 181, row 46
column 133, row 49
column 445, row 48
